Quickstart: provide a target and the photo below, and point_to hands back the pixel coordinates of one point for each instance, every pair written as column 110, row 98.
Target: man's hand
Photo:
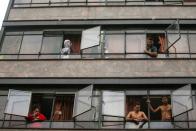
column 145, row 51
column 148, row 100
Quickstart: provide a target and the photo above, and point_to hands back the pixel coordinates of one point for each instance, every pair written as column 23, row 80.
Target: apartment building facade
column 106, row 72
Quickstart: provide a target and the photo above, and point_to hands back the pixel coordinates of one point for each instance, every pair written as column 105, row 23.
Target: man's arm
column 151, row 108
column 154, row 110
column 152, row 54
column 129, row 116
column 144, row 116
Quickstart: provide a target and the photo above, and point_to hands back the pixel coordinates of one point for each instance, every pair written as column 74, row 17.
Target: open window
column 41, row 101
column 158, row 40
column 113, row 109
column 172, row 34
column 83, row 109
column 182, row 103
column 75, row 39
column 91, row 42
column 131, row 101
column 63, row 108
column 18, row 102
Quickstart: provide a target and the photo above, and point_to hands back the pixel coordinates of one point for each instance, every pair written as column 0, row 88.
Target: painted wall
column 60, row 13
column 99, row 68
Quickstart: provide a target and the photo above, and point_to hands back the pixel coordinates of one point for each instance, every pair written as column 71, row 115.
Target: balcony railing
column 58, row 56
column 191, row 124
column 51, row 3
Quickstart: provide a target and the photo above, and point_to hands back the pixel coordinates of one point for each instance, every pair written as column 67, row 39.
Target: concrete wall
column 142, row 12
column 99, row 68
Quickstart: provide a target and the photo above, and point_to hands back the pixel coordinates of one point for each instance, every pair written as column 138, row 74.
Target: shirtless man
column 165, row 109
column 137, row 116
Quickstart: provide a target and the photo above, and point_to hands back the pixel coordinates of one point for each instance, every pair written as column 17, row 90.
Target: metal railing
column 155, row 124
column 58, row 56
column 99, row 3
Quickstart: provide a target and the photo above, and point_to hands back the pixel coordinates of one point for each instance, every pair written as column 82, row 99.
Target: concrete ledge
column 98, row 68
column 62, row 13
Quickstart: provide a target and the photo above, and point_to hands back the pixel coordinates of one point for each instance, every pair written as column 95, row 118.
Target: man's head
column 149, row 42
column 164, row 100
column 137, row 107
column 36, row 111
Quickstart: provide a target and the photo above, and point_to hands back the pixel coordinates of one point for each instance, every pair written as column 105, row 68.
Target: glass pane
column 39, row 125
column 77, row 2
column 173, row 34
column 135, row 43
column 113, row 103
column 52, row 45
column 112, row 122
column 114, row 44
column 173, row 2
column 161, row 125
column 62, row 124
column 192, row 42
column 22, row 1
column 115, row 2
column 40, row 1
column 90, row 37
column 181, row 46
column 3, row 101
column 88, row 118
column 96, row 2
column 134, row 92
column 192, row 114
column 31, row 44
column 94, row 52
column 17, row 100
column 160, row 92
column 83, row 101
column 181, row 100
column 181, row 121
column 11, row 45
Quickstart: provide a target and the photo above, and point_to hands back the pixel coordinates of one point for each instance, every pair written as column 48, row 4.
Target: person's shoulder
column 131, row 112
column 142, row 112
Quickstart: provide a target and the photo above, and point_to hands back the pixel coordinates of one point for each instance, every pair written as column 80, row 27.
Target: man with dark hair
column 165, row 109
column 151, row 49
column 137, row 116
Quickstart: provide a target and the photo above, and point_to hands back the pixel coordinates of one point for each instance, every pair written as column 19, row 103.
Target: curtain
column 162, row 43
column 75, row 40
column 63, row 108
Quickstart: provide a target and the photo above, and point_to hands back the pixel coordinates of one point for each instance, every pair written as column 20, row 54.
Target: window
column 11, row 45
column 16, row 100
column 131, row 101
column 91, row 42
column 192, row 39
column 83, row 109
column 63, row 108
column 182, row 103
column 180, row 49
column 31, row 44
column 113, row 109
column 76, row 43
column 135, row 43
column 51, row 45
column 114, row 44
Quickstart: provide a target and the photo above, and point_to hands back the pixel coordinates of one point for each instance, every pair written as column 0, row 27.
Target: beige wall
column 103, row 13
column 99, row 68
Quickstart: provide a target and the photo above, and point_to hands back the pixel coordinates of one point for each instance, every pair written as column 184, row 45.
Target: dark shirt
column 152, row 49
